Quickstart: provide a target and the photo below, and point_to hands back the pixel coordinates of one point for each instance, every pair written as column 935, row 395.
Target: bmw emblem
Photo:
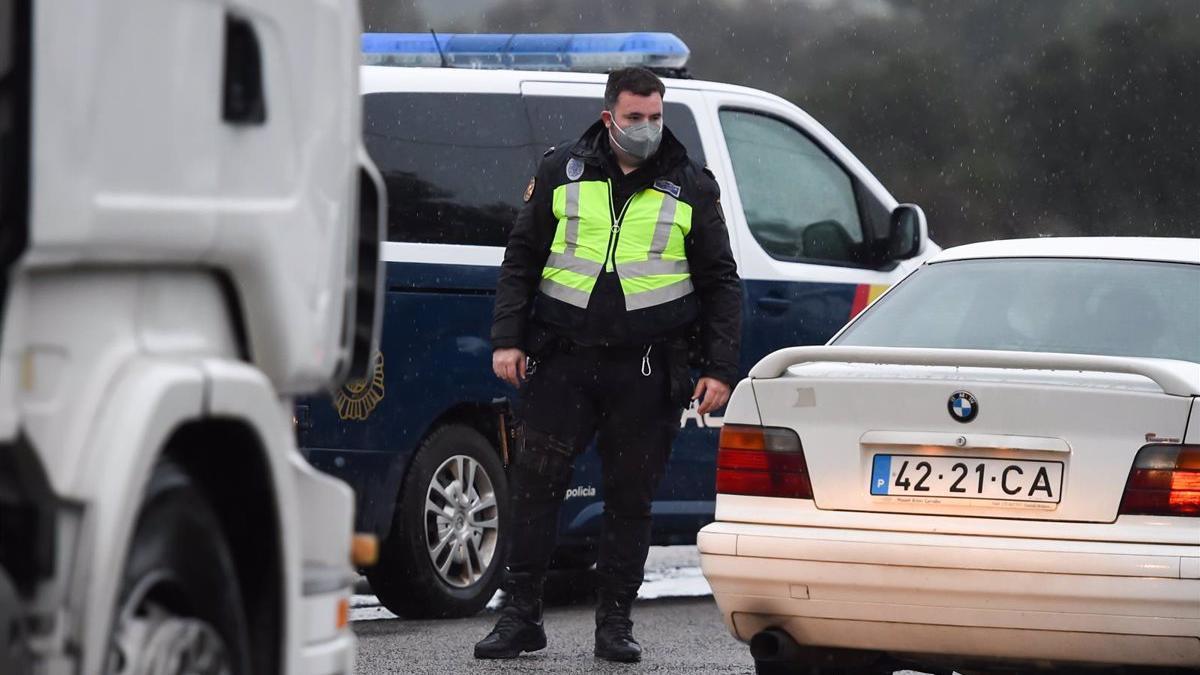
column 963, row 406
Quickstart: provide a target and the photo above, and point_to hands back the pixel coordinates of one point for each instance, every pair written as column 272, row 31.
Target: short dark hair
column 635, row 80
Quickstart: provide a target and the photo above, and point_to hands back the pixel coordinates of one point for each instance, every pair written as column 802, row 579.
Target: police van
column 457, row 125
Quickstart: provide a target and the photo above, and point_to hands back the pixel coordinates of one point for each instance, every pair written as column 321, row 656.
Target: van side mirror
column 909, row 232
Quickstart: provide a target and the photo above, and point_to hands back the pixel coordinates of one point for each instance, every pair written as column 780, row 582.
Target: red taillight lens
column 763, row 462
column 1164, row 481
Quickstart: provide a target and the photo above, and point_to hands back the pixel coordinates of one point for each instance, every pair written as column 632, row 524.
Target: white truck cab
column 189, row 238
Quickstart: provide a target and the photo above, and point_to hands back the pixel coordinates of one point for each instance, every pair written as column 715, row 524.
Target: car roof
column 1157, row 249
column 375, row 79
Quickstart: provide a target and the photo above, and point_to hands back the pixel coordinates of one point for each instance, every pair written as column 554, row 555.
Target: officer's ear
column 606, row 117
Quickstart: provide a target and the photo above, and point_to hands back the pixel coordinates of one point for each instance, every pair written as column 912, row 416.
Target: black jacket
column 713, row 313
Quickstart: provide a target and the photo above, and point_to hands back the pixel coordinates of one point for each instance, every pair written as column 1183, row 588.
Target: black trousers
column 620, row 397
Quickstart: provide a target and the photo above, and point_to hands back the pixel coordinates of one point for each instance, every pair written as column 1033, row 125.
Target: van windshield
column 1072, row 306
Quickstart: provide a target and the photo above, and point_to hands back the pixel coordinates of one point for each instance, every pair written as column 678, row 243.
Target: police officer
column 618, row 263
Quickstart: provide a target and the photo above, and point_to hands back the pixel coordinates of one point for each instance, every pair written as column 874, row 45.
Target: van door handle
column 775, row 305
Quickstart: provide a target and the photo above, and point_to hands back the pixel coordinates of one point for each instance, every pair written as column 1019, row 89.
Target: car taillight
column 1164, row 481
column 763, row 462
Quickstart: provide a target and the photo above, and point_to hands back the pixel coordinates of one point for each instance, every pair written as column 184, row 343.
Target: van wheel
column 444, row 556
column 180, row 607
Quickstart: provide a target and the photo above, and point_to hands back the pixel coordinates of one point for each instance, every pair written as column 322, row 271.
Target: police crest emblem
column 574, row 169
column 356, row 400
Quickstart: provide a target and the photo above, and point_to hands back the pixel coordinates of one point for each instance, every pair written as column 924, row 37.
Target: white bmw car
column 997, row 464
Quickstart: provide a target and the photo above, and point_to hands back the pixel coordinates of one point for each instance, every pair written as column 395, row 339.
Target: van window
column 455, row 165
column 562, row 119
column 799, row 203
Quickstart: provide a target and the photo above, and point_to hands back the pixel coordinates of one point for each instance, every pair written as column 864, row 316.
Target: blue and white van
column 815, row 235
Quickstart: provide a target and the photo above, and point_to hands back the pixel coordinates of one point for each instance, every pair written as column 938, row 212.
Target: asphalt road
column 675, row 620
column 679, row 635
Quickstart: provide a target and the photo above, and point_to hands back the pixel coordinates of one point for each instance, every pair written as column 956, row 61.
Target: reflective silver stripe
column 567, row 294
column 658, row 296
column 570, row 263
column 571, row 213
column 662, row 229
column 646, row 268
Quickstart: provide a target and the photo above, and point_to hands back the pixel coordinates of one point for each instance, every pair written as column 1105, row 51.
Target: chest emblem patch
column 667, row 186
column 574, row 169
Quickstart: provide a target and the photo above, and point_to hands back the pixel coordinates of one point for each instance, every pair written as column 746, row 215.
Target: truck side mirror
column 909, row 232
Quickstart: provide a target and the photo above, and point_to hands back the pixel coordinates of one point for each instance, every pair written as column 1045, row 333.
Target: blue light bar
column 588, row 52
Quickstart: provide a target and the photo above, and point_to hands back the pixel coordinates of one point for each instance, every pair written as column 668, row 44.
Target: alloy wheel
column 462, row 521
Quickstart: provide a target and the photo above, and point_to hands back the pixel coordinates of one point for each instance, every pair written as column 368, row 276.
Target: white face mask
column 639, row 141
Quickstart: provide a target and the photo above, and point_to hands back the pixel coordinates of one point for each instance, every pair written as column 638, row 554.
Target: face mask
column 639, row 141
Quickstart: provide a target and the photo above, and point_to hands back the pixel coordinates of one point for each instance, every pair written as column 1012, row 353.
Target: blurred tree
column 392, row 16
column 1000, row 117
column 1108, row 115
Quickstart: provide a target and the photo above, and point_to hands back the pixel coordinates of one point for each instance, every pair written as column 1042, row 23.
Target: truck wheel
column 180, row 607
column 444, row 556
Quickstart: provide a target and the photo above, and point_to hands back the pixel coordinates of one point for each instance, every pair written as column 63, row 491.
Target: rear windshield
column 1106, row 307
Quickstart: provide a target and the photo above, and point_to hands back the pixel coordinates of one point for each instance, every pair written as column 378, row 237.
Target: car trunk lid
column 975, row 441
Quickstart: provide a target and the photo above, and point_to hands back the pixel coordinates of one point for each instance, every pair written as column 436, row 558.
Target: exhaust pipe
column 774, row 644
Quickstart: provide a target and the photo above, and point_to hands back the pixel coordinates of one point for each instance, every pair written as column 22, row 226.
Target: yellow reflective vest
column 642, row 242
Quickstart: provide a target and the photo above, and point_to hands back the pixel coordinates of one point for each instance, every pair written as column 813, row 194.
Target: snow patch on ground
column 671, row 572
column 677, row 582
column 367, row 608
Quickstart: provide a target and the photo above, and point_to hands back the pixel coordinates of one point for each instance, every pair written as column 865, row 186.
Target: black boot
column 614, row 628
column 520, row 626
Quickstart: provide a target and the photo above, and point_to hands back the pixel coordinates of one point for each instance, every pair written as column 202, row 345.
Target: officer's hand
column 509, row 365
column 715, row 394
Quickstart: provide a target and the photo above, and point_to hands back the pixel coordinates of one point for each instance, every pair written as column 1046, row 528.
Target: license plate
column 1018, row 480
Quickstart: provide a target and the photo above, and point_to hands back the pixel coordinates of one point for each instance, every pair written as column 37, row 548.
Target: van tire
column 179, row 590
column 405, row 579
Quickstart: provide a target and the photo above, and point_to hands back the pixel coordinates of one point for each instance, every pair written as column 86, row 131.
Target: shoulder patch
column 548, row 152
column 664, row 185
column 574, row 168
column 529, row 189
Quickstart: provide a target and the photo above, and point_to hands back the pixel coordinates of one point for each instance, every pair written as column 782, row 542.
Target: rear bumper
column 986, row 597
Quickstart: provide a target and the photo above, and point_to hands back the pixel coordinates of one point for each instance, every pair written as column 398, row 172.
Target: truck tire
column 179, row 605
column 444, row 556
